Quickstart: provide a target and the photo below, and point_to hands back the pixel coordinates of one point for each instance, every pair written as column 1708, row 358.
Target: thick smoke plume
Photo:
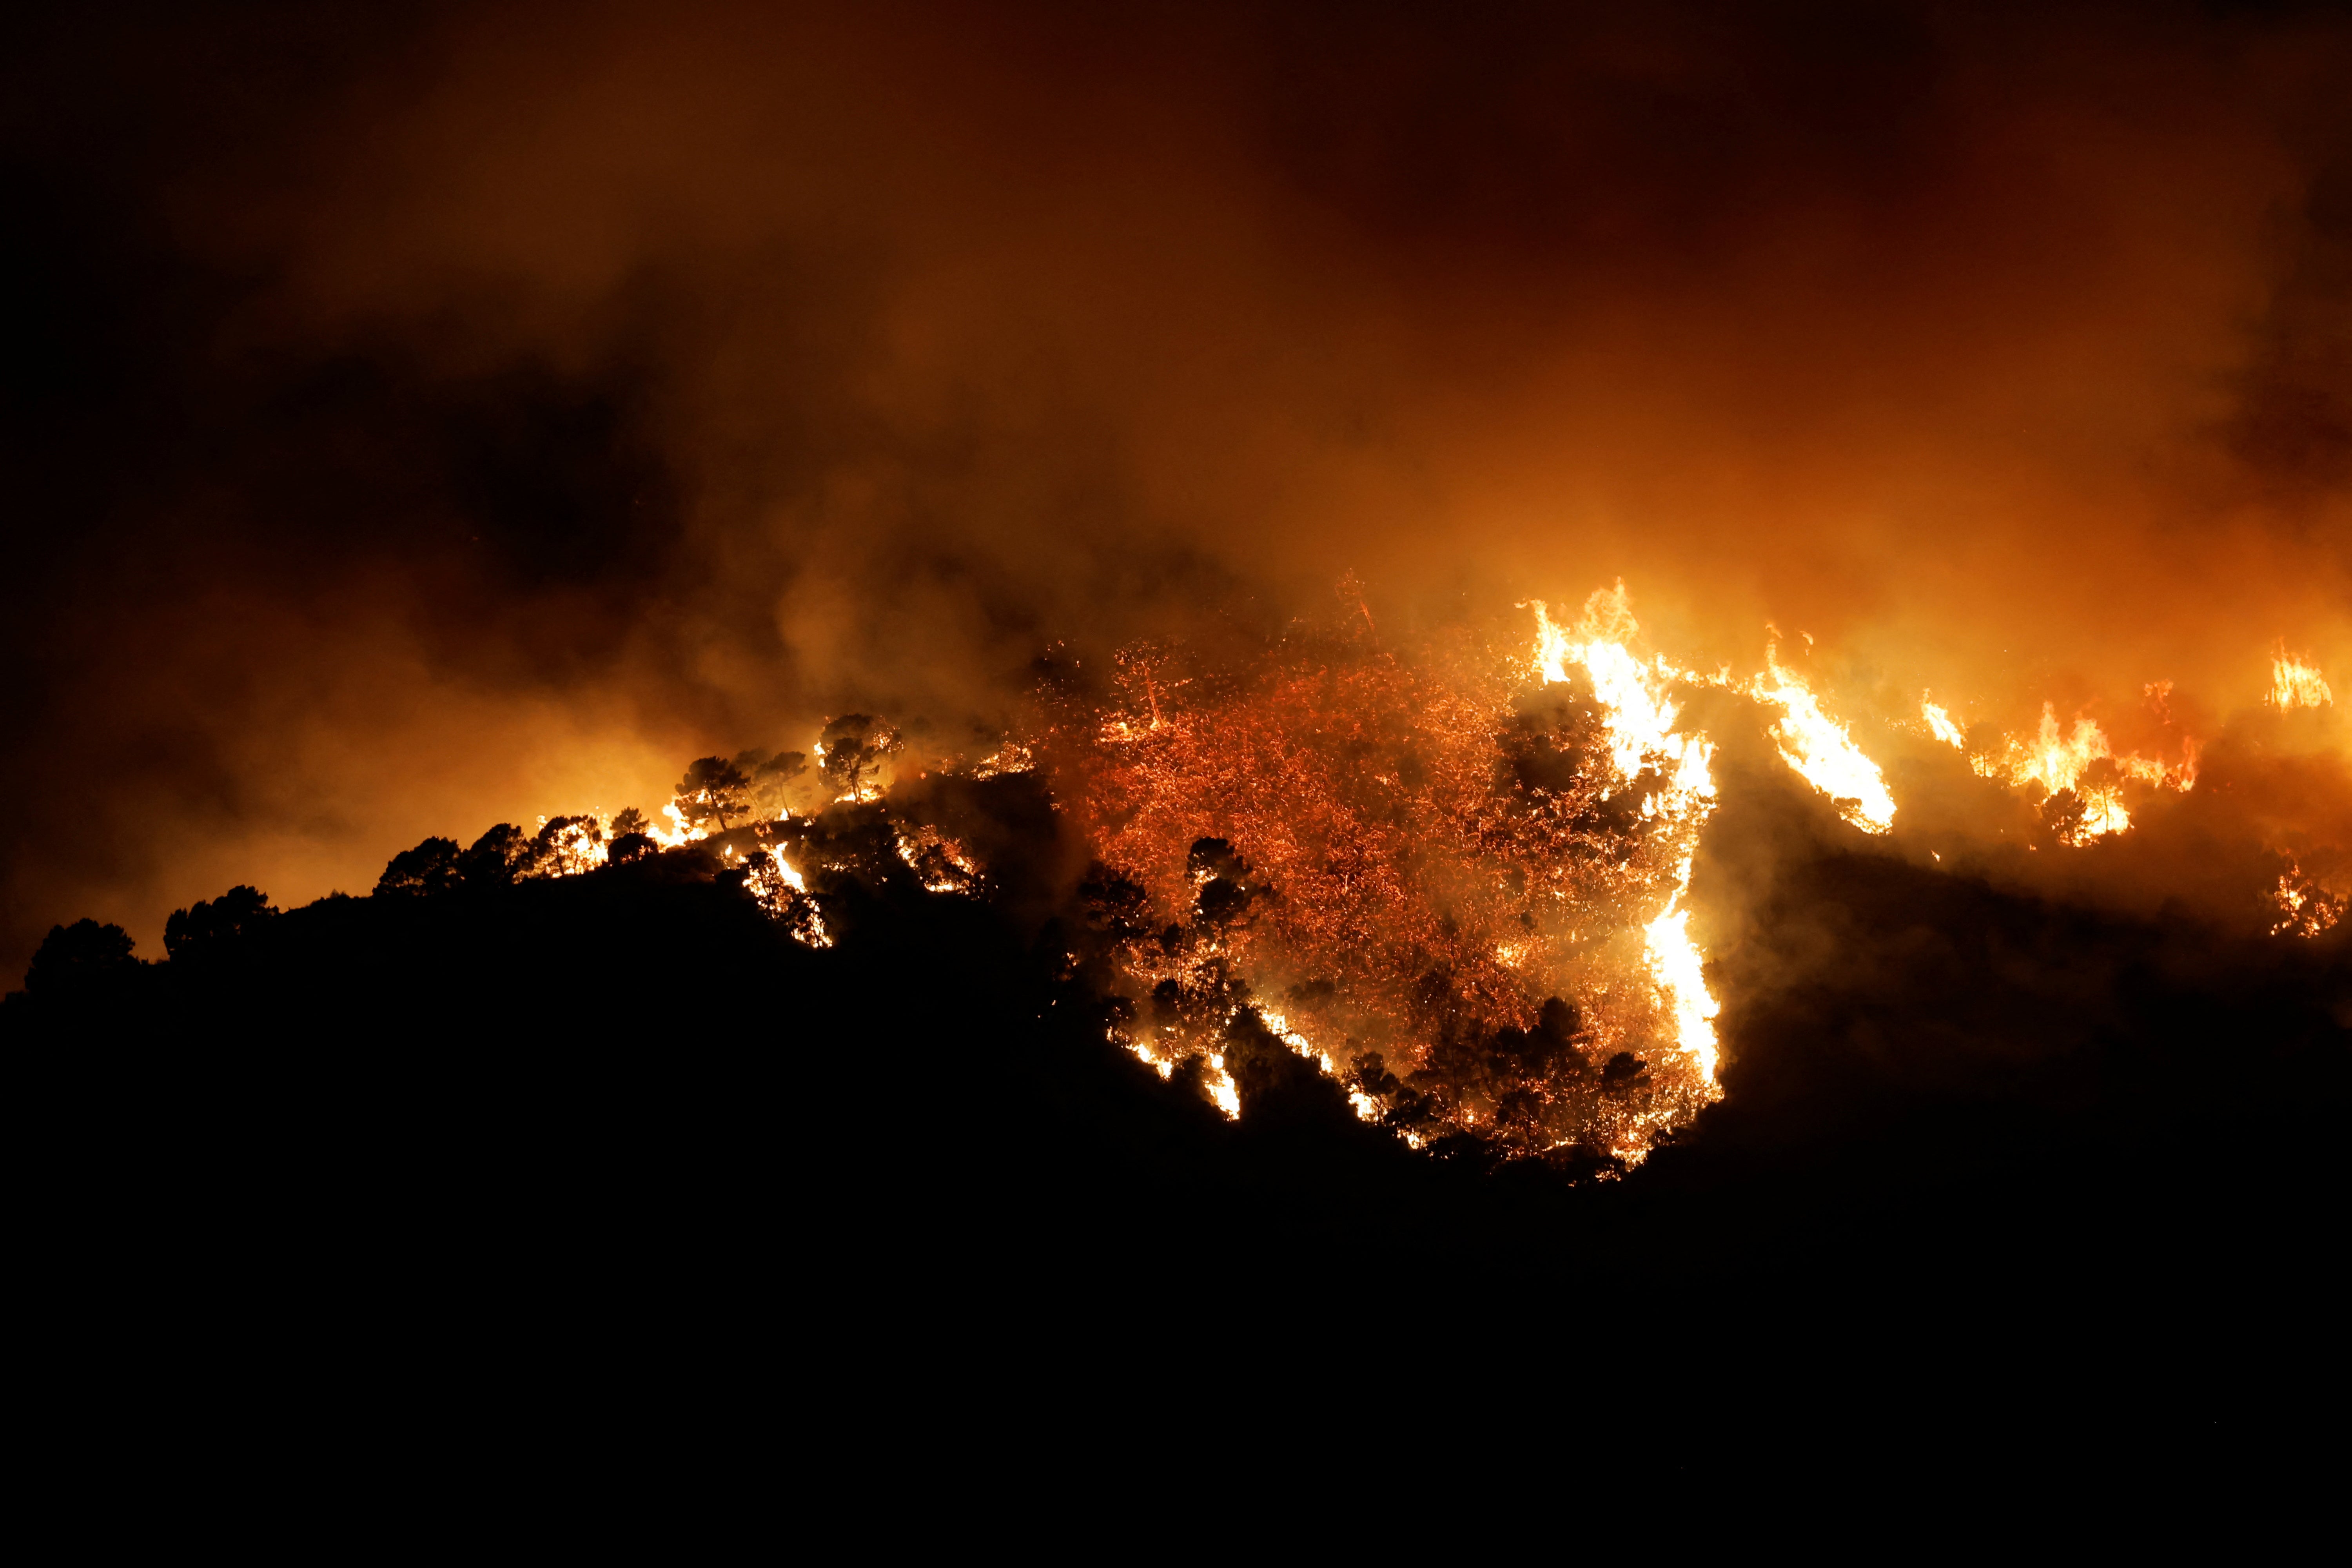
column 422, row 417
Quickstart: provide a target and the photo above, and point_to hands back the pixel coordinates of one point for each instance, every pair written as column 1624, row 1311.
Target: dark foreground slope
column 626, row 1108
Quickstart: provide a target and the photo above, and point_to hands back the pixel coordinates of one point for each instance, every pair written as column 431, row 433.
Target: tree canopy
column 212, row 924
column 855, row 748
column 713, row 794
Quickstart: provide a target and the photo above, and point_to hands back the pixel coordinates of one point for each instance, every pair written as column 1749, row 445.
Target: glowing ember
column 942, row 865
column 2306, row 906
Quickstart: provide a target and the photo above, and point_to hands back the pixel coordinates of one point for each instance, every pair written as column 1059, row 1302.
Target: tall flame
column 1639, row 717
column 1822, row 750
column 2056, row 761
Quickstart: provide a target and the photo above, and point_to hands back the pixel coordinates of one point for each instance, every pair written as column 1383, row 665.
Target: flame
column 1366, row 1108
column 941, row 864
column 1010, row 758
column 1346, row 772
column 1637, row 712
column 2058, row 761
column 578, row 846
column 1525, row 888
column 2306, row 908
column 2295, row 684
column 1222, row 1088
column 1822, row 750
column 1678, row 968
column 1639, row 718
column 784, row 892
column 1398, row 866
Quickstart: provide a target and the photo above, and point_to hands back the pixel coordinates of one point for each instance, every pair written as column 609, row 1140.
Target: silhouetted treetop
column 566, row 847
column 213, row 924
column 1115, row 902
column 496, row 857
column 630, row 820
column 713, row 794
column 80, row 957
column 430, row 868
column 1223, row 902
column 1216, row 858
column 1623, row 1071
column 771, row 778
column 855, row 747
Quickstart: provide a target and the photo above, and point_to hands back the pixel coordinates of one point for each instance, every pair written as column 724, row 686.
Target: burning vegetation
column 1453, row 874
column 1447, row 875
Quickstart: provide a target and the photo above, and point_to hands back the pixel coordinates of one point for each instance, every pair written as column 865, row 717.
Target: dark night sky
column 420, row 416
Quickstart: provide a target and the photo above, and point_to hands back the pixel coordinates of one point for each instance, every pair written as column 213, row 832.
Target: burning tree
column 632, row 837
column 853, row 749
column 567, row 846
column 770, row 791
column 713, row 790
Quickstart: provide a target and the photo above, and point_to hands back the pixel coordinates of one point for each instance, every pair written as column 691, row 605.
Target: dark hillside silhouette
column 476, row 1066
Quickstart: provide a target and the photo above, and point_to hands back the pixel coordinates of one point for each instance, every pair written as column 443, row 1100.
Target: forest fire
column 1818, row 802
column 1451, row 872
column 2077, row 773
column 1454, row 874
column 1450, row 876
column 1822, row 750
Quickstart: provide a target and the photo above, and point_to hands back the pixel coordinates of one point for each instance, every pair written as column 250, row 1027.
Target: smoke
column 430, row 416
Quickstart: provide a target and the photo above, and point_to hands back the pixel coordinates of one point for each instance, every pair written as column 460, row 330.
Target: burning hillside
column 1509, row 956
column 1452, row 872
column 1446, row 875
column 674, row 669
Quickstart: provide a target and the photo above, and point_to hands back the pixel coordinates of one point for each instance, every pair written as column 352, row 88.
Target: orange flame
column 1822, row 750
column 2295, row 684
